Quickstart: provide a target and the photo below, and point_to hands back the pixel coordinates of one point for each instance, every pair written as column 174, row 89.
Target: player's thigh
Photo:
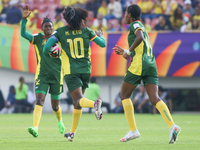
column 151, row 86
column 129, row 84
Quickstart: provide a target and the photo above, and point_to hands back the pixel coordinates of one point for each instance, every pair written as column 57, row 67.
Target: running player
column 48, row 73
column 75, row 41
column 142, row 67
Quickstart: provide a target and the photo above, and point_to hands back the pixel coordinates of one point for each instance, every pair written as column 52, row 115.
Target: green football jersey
column 47, row 67
column 76, row 49
column 143, row 61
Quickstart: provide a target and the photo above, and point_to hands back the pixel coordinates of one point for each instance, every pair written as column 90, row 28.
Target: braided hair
column 46, row 19
column 74, row 17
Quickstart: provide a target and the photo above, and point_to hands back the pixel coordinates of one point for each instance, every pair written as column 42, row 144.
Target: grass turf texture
column 98, row 135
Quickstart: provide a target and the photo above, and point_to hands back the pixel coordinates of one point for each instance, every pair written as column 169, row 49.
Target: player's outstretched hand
column 99, row 33
column 26, row 12
column 118, row 50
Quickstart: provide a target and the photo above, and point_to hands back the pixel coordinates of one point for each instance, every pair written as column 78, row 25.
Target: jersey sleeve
column 25, row 34
column 98, row 40
column 51, row 41
column 35, row 37
column 135, row 27
column 92, row 35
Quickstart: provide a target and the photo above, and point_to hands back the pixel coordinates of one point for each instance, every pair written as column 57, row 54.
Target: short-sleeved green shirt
column 93, row 91
column 76, row 49
column 49, row 72
column 20, row 95
column 47, row 67
column 143, row 61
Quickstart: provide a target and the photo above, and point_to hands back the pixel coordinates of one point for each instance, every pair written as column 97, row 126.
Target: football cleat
column 131, row 135
column 98, row 111
column 173, row 133
column 69, row 136
column 33, row 131
column 61, row 127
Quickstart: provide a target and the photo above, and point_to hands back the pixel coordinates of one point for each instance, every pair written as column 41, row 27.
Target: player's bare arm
column 139, row 38
column 26, row 12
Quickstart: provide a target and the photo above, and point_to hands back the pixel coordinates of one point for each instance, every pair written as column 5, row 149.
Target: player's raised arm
column 25, row 14
column 51, row 41
column 100, row 40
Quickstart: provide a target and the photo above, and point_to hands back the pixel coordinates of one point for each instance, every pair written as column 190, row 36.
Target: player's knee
column 55, row 108
column 122, row 96
column 39, row 101
column 154, row 101
column 76, row 104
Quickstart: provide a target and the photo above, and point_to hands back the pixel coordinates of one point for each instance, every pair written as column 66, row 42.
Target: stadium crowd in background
column 9, row 102
column 141, row 101
column 108, row 15
column 118, row 102
column 2, row 101
column 21, row 95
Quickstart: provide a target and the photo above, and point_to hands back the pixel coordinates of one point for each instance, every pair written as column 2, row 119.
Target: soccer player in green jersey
column 75, row 42
column 142, row 67
column 49, row 73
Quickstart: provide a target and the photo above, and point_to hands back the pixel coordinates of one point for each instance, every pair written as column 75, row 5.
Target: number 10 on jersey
column 77, row 50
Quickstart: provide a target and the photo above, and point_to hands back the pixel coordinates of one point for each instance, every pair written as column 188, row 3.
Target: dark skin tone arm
column 139, row 38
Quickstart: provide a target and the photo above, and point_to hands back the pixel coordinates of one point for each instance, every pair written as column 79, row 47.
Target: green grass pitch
column 93, row 134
